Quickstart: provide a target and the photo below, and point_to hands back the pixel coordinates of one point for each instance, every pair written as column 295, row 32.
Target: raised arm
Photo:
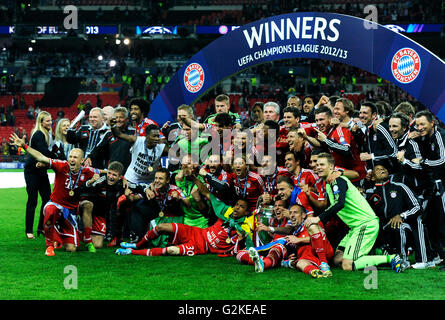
column 313, row 141
column 117, row 133
column 34, row 153
column 201, row 186
column 192, row 123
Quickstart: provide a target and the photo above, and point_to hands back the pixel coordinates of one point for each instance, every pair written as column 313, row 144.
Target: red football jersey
column 167, row 204
column 304, row 201
column 196, row 240
column 320, row 185
column 343, row 138
column 60, row 194
column 216, row 237
column 307, row 252
column 140, row 129
column 302, row 232
column 250, row 188
column 306, row 176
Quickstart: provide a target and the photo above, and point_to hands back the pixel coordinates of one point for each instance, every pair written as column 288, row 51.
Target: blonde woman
column 61, row 147
column 37, row 181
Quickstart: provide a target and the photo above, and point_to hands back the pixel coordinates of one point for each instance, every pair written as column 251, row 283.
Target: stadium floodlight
column 100, row 57
column 126, row 41
column 112, row 63
column 118, row 41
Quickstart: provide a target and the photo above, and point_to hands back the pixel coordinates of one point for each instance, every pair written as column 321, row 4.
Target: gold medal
column 228, row 240
column 161, row 214
column 71, row 193
column 150, row 169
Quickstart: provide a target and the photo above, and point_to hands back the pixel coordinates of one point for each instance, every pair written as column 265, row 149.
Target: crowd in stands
column 158, row 12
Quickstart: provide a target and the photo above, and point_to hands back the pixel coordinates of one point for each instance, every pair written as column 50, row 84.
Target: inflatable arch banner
column 341, row 38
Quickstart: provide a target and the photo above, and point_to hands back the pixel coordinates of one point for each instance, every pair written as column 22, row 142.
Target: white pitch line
column 17, row 179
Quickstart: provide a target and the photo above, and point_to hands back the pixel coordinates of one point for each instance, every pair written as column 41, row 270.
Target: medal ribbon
column 164, row 202
column 268, row 184
column 245, row 184
column 71, row 180
column 150, row 159
column 298, row 179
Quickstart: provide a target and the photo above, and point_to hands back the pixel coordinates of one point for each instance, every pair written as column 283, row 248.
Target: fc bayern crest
column 405, row 65
column 194, row 77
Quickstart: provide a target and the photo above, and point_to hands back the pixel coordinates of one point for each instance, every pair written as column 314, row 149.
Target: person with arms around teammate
column 353, row 209
column 308, row 250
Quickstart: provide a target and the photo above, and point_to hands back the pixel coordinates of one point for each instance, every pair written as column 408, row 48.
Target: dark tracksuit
column 104, row 198
column 409, row 172
column 432, row 150
column 379, row 143
column 112, row 149
column 389, row 199
column 86, row 138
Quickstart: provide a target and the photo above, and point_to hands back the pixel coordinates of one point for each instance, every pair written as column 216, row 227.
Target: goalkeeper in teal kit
column 353, row 209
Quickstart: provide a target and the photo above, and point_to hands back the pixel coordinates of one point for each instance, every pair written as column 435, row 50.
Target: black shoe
column 108, row 237
column 133, row 237
column 40, row 232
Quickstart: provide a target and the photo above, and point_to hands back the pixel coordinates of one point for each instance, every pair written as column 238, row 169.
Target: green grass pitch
column 27, row 274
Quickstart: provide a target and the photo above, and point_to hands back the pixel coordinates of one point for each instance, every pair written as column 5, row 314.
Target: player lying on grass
column 308, row 250
column 353, row 209
column 223, row 238
column 64, row 207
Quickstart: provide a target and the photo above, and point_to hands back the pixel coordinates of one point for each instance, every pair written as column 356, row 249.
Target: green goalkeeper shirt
column 235, row 117
column 192, row 215
column 348, row 203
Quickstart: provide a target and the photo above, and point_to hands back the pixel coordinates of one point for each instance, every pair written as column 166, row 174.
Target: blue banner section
column 341, row 38
column 12, row 165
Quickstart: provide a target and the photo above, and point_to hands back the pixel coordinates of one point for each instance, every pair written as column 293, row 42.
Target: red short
column 189, row 239
column 99, row 226
column 306, row 252
column 64, row 231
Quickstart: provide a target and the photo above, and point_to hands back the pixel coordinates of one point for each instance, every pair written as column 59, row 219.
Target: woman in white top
column 61, row 147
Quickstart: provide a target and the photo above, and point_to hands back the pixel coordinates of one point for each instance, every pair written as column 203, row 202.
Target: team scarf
column 237, row 224
column 293, row 198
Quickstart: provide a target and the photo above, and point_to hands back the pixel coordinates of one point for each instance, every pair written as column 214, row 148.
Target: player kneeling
column 102, row 193
column 307, row 250
column 61, row 213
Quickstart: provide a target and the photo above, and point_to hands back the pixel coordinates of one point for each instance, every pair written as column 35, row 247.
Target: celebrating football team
column 317, row 185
